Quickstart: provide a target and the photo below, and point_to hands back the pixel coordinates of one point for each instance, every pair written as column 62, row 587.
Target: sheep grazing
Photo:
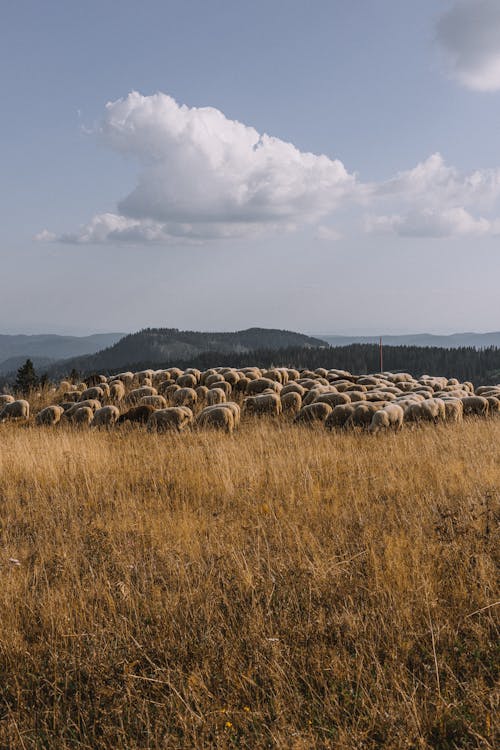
column 217, row 417
column 291, row 402
column 215, row 396
column 106, row 416
column 223, row 385
column 475, row 405
column 264, row 403
column 188, row 380
column 339, row 417
column 49, row 416
column 15, row 410
column 185, row 397
column 136, row 394
column 261, row 384
column 232, row 406
column 391, row 416
column 91, row 403
column 96, row 392
column 158, row 402
column 5, row 398
column 83, row 416
column 138, row 414
column 176, row 418
column 316, row 412
column 117, row 390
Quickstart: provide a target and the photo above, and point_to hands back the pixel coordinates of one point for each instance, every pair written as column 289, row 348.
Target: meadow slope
column 282, row 588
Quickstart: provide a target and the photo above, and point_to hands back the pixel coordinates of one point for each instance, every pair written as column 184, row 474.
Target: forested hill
column 158, row 345
column 466, row 363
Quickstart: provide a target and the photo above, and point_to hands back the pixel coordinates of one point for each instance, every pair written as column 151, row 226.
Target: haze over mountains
column 107, row 351
column 47, row 348
column 450, row 341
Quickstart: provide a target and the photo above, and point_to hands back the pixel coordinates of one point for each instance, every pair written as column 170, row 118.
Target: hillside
column 45, row 349
column 163, row 345
column 453, row 341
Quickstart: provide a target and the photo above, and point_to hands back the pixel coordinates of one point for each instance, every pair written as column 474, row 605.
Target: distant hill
column 45, row 349
column 169, row 345
column 453, row 341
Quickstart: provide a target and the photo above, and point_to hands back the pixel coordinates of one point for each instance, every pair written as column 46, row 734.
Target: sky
column 325, row 167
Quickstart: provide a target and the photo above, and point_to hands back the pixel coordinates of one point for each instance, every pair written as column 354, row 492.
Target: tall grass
column 282, row 588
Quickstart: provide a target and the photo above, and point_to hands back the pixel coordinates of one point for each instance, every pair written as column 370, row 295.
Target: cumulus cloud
column 436, row 200
column 469, row 32
column 204, row 176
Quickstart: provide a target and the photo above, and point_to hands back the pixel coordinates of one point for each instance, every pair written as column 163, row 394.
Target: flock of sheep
column 175, row 399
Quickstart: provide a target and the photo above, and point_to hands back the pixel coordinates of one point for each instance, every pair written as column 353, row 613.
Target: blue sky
column 147, row 213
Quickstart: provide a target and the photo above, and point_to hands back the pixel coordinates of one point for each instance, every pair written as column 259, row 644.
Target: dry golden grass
column 283, row 588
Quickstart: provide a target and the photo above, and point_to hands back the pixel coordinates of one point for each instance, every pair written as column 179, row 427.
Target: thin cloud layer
column 204, row 176
column 469, row 33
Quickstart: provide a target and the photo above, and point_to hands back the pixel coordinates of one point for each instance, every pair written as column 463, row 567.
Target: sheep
column 15, row 410
column 176, row 418
column 215, row 396
column 49, row 416
column 185, row 397
column 430, row 410
column 201, row 392
column 362, row 414
column 106, row 416
column 137, row 393
column 333, row 399
column 291, row 402
column 6, row 398
column 91, row 403
column 162, row 388
column 96, row 392
column 263, row 403
column 117, row 390
column 340, row 416
column 316, row 412
column 494, row 404
column 158, row 402
column 391, row 415
column 223, row 385
column 293, row 388
column 137, row 414
column 188, row 380
column 233, row 408
column 83, row 416
column 454, row 409
column 477, row 405
column 218, row 417
column 255, row 387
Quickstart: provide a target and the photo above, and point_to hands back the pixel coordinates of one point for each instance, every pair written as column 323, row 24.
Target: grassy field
column 282, row 588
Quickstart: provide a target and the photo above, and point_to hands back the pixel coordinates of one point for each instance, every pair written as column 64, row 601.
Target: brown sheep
column 138, row 414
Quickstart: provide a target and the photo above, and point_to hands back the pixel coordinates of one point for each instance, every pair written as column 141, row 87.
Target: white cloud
column 435, row 223
column 436, row 200
column 205, row 176
column 470, row 35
